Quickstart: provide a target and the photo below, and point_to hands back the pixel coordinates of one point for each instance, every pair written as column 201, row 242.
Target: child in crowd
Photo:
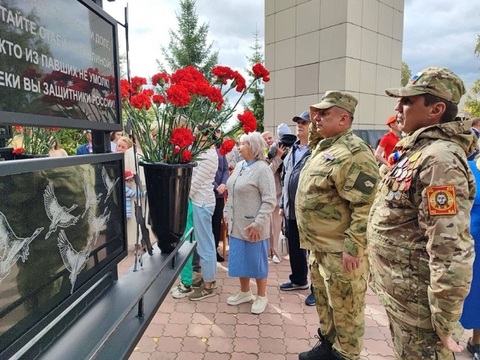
column 129, row 192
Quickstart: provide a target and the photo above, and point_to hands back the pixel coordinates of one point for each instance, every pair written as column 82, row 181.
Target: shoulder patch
column 365, row 183
column 441, row 200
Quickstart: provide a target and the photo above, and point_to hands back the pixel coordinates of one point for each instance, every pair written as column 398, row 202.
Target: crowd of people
column 398, row 218
column 402, row 219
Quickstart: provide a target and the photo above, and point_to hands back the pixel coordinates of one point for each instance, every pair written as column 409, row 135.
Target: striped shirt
column 201, row 190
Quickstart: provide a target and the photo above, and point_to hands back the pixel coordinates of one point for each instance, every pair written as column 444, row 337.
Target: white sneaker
column 275, row 259
column 240, row 298
column 259, row 304
column 181, row 291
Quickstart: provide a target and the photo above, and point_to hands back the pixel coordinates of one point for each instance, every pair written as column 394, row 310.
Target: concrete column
column 312, row 46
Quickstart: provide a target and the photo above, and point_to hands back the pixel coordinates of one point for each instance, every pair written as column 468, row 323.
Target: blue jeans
column 202, row 227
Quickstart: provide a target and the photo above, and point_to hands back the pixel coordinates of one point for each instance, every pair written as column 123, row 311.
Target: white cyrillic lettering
column 31, row 85
column 9, row 80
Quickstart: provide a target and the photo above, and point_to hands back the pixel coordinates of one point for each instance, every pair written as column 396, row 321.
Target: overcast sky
column 436, row 32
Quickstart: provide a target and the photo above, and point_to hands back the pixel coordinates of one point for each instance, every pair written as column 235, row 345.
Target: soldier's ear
column 437, row 109
column 345, row 120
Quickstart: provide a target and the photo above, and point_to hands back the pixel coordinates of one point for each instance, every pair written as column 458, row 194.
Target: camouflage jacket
column 420, row 248
column 334, row 195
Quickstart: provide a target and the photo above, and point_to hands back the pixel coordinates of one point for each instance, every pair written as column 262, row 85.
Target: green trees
column 188, row 45
column 256, row 105
column 406, row 73
column 472, row 104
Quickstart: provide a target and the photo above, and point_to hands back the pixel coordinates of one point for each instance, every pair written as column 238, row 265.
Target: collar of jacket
column 326, row 143
column 457, row 131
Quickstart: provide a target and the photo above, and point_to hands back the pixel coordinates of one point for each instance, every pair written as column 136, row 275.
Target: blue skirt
column 248, row 259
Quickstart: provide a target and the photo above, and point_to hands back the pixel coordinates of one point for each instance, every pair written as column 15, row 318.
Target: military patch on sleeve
column 441, row 200
column 365, row 183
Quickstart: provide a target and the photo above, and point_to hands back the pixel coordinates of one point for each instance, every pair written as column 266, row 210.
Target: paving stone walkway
column 212, row 330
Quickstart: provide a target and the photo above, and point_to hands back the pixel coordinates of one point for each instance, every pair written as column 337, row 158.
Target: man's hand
column 350, row 262
column 281, row 212
column 450, row 344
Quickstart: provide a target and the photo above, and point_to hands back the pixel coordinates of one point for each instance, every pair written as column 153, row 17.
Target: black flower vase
column 168, row 187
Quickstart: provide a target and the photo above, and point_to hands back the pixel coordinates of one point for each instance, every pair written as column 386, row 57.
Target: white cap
column 283, row 129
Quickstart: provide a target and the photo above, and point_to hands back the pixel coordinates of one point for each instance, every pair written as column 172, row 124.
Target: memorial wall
column 57, row 59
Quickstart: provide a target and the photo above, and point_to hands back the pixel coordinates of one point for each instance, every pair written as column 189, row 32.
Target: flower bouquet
column 182, row 115
column 182, row 103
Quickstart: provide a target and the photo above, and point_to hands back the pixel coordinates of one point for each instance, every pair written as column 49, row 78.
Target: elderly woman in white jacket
column 251, row 200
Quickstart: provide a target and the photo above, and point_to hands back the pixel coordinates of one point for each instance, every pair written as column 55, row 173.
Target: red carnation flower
column 215, row 96
column 223, row 73
column 239, row 82
column 149, row 92
column 202, row 88
column 141, row 101
column 259, row 71
column 226, row 147
column 160, row 79
column 137, row 83
column 178, row 95
column 182, row 137
column 188, row 75
column 158, row 99
column 249, row 123
column 186, row 156
column 125, row 89
column 17, row 128
column 18, row 151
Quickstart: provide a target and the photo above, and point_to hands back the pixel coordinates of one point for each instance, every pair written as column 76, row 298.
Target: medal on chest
column 399, row 179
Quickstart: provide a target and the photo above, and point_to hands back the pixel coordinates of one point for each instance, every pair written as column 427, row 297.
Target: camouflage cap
column 438, row 81
column 337, row 98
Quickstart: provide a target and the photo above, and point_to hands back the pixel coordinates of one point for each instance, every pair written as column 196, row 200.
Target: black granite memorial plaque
column 58, row 65
column 62, row 226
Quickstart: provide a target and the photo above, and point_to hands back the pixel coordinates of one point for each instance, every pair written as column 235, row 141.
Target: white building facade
column 312, row 46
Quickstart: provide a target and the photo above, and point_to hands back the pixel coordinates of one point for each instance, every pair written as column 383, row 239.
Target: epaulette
column 354, row 144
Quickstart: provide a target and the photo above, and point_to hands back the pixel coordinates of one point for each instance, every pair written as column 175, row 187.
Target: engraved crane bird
column 73, row 260
column 108, row 182
column 12, row 247
column 98, row 223
column 91, row 198
column 59, row 215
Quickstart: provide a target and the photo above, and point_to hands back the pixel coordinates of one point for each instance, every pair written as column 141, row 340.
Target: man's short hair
column 451, row 109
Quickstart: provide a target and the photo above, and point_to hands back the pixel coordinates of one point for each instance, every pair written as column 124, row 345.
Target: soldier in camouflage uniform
column 335, row 192
column 420, row 248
